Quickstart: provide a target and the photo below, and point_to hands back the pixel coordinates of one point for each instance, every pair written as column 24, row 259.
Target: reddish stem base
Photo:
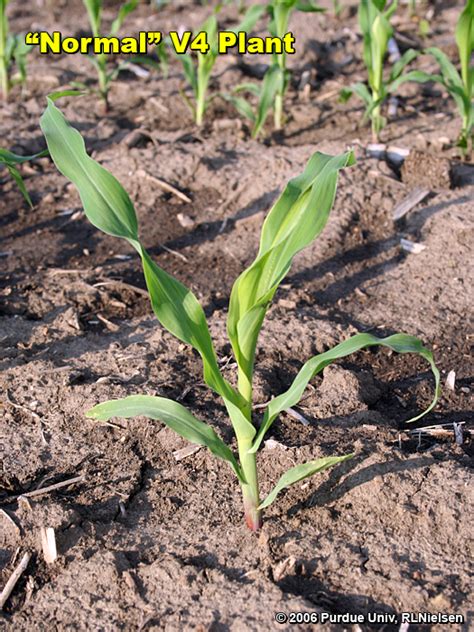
column 253, row 518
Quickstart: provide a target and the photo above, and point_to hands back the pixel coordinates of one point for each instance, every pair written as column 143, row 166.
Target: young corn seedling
column 198, row 70
column 94, row 11
column 272, row 92
column 459, row 85
column 295, row 220
column 13, row 52
column 11, row 161
column 374, row 21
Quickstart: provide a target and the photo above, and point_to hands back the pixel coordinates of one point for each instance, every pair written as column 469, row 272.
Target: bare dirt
column 148, row 542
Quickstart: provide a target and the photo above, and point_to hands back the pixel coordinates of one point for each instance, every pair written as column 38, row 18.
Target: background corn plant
column 94, row 11
column 374, row 21
column 198, row 69
column 298, row 216
column 458, row 84
column 272, row 92
column 13, row 52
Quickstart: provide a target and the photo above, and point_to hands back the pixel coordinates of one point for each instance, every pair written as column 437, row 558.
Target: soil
column 148, row 542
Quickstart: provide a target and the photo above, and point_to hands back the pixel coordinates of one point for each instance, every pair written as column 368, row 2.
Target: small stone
column 451, row 380
column 286, row 303
column 185, row 220
column 48, row 198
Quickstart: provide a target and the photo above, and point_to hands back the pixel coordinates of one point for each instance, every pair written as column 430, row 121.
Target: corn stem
column 278, row 113
column 201, row 91
column 250, row 491
column 248, row 462
column 4, row 82
column 102, row 77
column 200, row 108
column 376, row 124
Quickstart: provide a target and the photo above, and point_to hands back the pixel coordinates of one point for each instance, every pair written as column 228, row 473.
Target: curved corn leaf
column 279, row 16
column 248, row 86
column 94, row 10
column 400, row 65
column 361, row 90
column 106, row 203
column 174, row 415
column 418, row 76
column 76, row 92
column 448, row 70
column 295, row 220
column 189, row 72
column 10, row 160
column 308, row 6
column 401, row 343
column 241, row 104
column 250, row 19
column 450, row 79
column 16, row 175
column 110, row 209
column 300, row 472
column 125, row 9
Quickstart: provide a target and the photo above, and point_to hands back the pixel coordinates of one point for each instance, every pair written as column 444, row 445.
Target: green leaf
column 401, row 343
column 450, row 74
column 308, row 6
column 10, row 160
column 242, row 106
column 189, row 72
column 54, row 96
column 250, row 19
column 295, row 220
column 16, row 175
column 361, row 90
column 400, row 65
column 94, row 10
column 300, row 472
column 8, row 157
column 248, row 86
column 465, row 42
column 174, row 415
column 417, row 76
column 106, row 203
column 125, row 9
column 110, row 209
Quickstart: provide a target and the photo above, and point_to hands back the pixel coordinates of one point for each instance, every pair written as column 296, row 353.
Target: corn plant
column 94, row 12
column 459, row 85
column 198, row 69
column 11, row 161
column 272, row 92
column 374, row 21
column 295, row 220
column 13, row 51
